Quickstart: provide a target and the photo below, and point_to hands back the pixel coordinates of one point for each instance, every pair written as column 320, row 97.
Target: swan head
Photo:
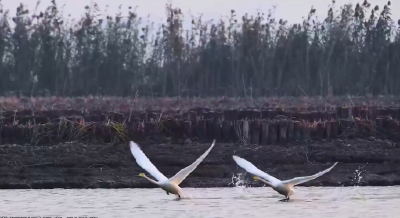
column 256, row 178
column 142, row 175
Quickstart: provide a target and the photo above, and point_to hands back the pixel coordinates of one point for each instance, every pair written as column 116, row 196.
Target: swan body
column 165, row 185
column 170, row 185
column 286, row 187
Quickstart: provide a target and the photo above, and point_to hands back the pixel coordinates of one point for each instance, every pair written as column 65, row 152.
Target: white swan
column 170, row 185
column 285, row 187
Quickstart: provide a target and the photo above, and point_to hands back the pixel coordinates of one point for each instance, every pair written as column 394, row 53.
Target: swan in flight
column 170, row 185
column 285, row 187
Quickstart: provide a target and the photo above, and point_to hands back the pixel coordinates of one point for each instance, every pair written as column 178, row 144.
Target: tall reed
column 354, row 50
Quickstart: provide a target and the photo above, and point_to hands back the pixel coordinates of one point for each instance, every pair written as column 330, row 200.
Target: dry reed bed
column 254, row 126
column 27, row 105
column 353, row 50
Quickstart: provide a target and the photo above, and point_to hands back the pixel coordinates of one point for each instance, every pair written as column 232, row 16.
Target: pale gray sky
column 291, row 10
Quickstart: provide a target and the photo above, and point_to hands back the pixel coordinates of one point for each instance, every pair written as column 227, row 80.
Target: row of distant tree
column 354, row 50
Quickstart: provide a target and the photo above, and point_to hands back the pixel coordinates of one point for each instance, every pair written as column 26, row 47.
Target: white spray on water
column 357, row 179
column 240, row 184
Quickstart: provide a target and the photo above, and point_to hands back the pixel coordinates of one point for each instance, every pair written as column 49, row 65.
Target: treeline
column 354, row 50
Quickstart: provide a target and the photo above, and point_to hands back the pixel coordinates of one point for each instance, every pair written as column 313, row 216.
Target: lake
column 308, row 202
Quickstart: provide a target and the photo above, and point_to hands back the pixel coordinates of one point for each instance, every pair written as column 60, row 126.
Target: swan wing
column 249, row 167
column 144, row 162
column 299, row 180
column 182, row 174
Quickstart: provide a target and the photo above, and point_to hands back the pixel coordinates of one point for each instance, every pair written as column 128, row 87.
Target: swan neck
column 151, row 180
column 266, row 182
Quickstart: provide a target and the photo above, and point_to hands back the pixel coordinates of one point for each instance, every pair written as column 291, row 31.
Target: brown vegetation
column 273, row 121
column 26, row 105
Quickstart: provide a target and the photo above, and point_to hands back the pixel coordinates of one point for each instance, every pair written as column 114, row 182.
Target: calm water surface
column 311, row 202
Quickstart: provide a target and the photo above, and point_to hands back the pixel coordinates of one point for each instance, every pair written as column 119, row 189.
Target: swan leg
column 286, row 199
column 167, row 193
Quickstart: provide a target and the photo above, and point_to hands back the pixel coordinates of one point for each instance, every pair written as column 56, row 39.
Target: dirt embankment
column 77, row 165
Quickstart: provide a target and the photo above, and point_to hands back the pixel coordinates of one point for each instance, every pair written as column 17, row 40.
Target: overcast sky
column 291, row 10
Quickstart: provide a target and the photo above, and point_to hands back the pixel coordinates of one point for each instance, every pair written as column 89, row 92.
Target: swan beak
column 255, row 178
column 141, row 174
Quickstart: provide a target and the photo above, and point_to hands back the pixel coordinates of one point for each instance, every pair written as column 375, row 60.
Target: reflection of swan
column 170, row 185
column 285, row 187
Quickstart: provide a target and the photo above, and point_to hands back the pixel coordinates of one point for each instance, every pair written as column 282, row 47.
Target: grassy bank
column 28, row 105
column 256, row 121
column 353, row 50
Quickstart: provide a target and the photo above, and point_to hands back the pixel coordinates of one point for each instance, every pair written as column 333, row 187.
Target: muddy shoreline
column 77, row 165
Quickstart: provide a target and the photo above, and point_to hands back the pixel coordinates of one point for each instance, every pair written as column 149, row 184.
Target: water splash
column 185, row 196
column 357, row 177
column 240, row 184
column 237, row 180
column 354, row 193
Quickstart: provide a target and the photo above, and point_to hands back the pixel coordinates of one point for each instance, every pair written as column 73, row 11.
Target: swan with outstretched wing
column 170, row 185
column 285, row 187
